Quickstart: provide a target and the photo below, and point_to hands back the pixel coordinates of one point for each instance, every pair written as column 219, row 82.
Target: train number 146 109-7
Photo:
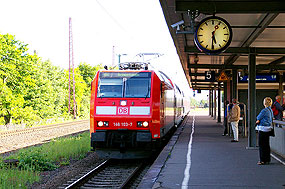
column 122, row 124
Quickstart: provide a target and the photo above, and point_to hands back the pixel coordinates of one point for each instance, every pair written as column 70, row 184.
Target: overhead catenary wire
column 114, row 20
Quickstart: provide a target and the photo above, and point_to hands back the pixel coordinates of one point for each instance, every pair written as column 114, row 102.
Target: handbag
column 272, row 132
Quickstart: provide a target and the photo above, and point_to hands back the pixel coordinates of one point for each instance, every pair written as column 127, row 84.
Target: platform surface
column 198, row 156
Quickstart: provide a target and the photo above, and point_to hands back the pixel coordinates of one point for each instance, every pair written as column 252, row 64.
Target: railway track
column 109, row 174
column 40, row 128
column 22, row 138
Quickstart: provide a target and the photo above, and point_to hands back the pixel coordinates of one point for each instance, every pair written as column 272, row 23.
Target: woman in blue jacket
column 264, row 126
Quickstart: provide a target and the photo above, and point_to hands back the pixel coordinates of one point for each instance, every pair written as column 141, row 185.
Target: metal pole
column 225, row 95
column 280, row 92
column 234, row 84
column 71, row 61
column 215, row 102
column 252, row 99
column 225, row 106
column 209, row 102
column 219, row 103
column 69, row 66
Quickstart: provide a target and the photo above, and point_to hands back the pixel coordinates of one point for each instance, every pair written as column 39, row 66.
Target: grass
column 46, row 157
column 15, row 178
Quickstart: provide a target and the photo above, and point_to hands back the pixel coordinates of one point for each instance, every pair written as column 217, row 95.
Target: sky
column 101, row 29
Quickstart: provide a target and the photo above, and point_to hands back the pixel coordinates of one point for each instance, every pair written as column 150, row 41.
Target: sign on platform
column 210, row 76
column 223, row 77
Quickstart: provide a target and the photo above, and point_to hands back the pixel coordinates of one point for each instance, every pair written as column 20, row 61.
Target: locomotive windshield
column 110, row 87
column 124, row 84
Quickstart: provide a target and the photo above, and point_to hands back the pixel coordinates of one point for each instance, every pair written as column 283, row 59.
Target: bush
column 35, row 160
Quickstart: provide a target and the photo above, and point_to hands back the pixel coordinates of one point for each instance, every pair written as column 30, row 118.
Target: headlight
column 100, row 123
column 123, row 102
column 142, row 124
column 139, row 123
column 103, row 123
column 145, row 124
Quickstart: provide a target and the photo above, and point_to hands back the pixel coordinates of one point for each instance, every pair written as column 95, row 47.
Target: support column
column 211, row 101
column 229, row 94
column 280, row 91
column 251, row 100
column 225, row 98
column 234, row 89
column 219, row 103
column 215, row 102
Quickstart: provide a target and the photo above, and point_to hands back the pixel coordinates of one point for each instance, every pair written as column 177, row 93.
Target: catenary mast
column 71, row 63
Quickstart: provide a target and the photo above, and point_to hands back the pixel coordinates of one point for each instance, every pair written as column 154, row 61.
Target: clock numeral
column 226, row 34
column 200, row 35
column 220, row 45
column 201, row 29
column 224, row 40
column 206, row 23
column 207, row 46
column 213, row 22
column 201, row 41
column 219, row 23
column 224, row 27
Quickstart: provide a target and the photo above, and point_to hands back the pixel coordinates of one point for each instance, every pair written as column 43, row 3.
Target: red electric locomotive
column 132, row 110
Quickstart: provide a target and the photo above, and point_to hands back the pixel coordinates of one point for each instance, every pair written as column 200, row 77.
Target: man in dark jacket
column 278, row 106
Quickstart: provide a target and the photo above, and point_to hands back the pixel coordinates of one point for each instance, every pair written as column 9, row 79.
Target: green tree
column 80, row 91
column 32, row 89
column 88, row 72
column 193, row 102
column 15, row 68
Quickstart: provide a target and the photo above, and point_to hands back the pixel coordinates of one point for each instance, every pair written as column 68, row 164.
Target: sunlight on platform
column 199, row 111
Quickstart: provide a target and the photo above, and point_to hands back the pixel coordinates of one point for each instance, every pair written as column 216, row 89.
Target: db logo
column 123, row 110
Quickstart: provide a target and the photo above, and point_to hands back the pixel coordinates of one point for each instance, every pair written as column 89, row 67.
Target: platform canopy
column 258, row 28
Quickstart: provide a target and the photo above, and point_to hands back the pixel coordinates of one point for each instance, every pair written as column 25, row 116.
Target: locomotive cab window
column 112, row 87
column 128, row 85
column 137, row 87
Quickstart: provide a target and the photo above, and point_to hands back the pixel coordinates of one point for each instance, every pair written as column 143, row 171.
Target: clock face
column 213, row 35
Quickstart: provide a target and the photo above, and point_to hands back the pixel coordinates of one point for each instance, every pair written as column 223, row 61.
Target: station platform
column 198, row 156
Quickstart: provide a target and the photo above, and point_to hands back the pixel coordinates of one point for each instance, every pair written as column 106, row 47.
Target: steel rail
column 106, row 175
column 87, row 176
column 40, row 128
column 131, row 176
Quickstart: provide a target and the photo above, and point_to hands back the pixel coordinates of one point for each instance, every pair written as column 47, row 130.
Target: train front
column 124, row 113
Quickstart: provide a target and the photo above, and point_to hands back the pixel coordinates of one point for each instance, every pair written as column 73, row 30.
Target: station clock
column 213, row 35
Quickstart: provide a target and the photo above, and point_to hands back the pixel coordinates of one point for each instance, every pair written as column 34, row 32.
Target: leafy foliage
column 32, row 90
column 35, row 160
column 88, row 72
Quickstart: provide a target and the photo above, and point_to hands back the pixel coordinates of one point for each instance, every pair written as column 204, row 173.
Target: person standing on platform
column 277, row 108
column 234, row 117
column 264, row 126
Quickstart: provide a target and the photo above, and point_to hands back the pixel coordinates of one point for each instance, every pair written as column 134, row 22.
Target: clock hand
column 213, row 37
column 212, row 43
column 213, row 33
